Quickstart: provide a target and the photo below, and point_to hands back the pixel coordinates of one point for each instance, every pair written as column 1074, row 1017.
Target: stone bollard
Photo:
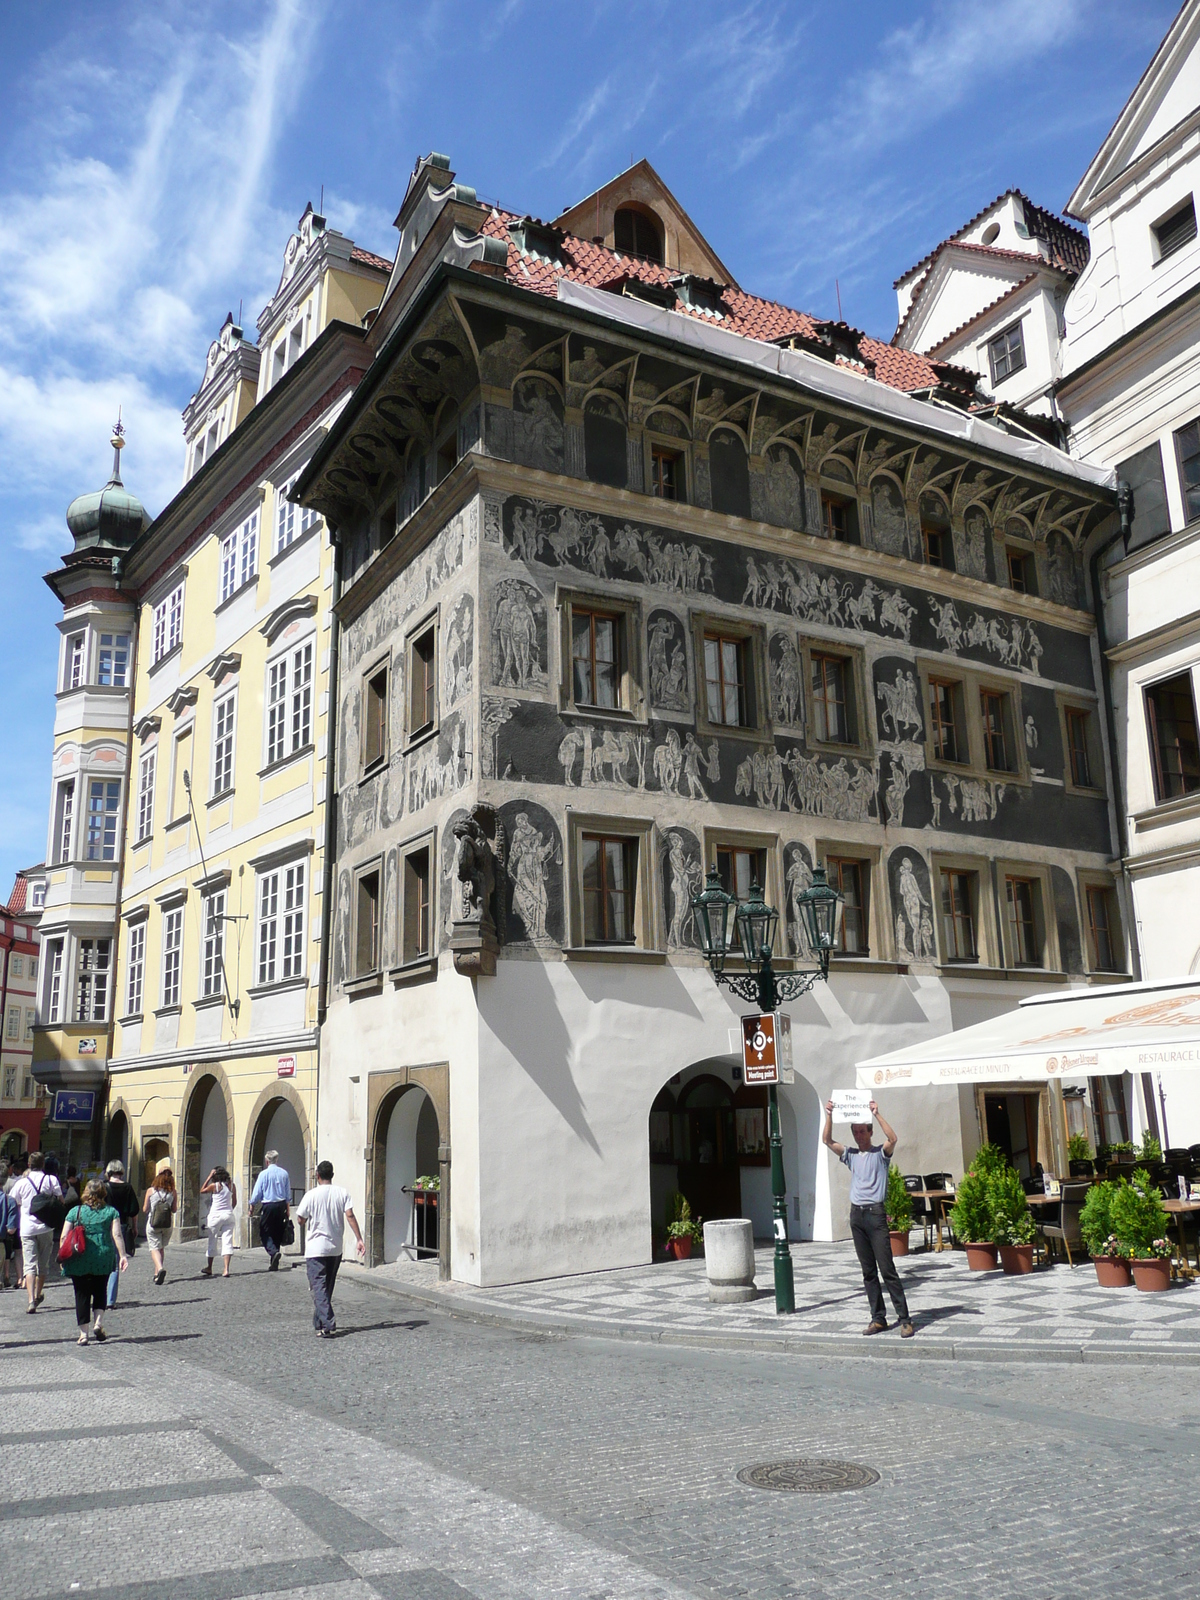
column 729, row 1259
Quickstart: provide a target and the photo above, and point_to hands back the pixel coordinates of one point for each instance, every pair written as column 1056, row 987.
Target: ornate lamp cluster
column 820, row 908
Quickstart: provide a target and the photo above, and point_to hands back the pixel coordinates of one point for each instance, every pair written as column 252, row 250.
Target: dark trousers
column 322, row 1275
column 869, row 1230
column 271, row 1220
column 91, row 1294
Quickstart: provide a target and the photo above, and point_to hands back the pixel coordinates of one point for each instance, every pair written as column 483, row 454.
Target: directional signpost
column 767, row 1060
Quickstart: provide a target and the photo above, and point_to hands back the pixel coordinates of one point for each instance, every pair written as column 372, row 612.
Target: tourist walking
column 160, row 1206
column 103, row 1252
column 326, row 1210
column 868, row 1164
column 272, row 1193
column 40, row 1200
column 220, row 1218
column 10, row 1223
column 123, row 1199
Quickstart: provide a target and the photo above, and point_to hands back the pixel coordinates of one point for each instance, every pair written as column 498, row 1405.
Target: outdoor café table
column 942, row 1197
column 1044, row 1202
column 1180, row 1209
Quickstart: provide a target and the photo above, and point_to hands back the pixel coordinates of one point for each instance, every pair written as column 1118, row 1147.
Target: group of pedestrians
column 94, row 1234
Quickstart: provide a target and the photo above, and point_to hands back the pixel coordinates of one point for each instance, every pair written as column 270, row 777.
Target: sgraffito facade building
column 640, row 573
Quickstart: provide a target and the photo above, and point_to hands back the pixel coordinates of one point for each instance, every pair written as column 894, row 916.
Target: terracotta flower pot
column 1112, row 1272
column 1016, row 1258
column 1152, row 1274
column 899, row 1242
column 681, row 1249
column 981, row 1257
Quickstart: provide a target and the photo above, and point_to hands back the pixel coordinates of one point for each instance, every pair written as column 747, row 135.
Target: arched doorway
column 153, row 1151
column 406, row 1148
column 116, row 1140
column 278, row 1128
column 12, row 1145
column 205, row 1146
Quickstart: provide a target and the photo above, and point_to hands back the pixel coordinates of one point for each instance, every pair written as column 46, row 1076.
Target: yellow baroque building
column 219, row 972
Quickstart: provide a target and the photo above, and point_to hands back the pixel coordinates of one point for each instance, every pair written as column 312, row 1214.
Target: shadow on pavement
column 378, row 1327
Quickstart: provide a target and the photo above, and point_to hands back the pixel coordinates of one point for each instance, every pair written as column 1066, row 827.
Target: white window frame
column 289, row 700
column 30, row 1022
column 212, row 963
column 64, row 821
column 53, row 978
column 75, row 666
column 292, row 522
column 10, row 1083
column 146, row 772
column 168, row 623
column 279, row 947
column 224, row 745
column 92, row 979
column 172, row 959
column 102, row 850
column 12, row 1023
column 136, row 976
column 239, row 557
column 117, row 651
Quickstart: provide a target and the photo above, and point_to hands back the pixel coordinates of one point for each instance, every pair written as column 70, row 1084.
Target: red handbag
column 73, row 1242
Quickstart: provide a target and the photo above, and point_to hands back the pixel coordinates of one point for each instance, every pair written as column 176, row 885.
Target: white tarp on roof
column 837, row 383
column 1077, row 1033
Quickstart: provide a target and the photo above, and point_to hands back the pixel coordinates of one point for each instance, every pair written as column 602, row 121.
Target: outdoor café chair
column 922, row 1209
column 1080, row 1168
column 940, row 1180
column 1032, row 1185
column 1194, row 1151
column 1066, row 1230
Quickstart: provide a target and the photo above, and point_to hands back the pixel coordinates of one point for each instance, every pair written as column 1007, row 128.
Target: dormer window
column 1175, row 230
column 637, row 234
column 1006, row 353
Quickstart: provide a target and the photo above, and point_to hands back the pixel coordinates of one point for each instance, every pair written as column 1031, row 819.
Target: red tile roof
column 16, row 900
column 368, row 258
column 597, row 267
column 1069, row 246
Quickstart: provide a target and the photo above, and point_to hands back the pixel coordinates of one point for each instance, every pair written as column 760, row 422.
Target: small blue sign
column 74, row 1105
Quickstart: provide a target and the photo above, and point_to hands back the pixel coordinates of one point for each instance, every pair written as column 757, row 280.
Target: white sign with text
column 851, row 1105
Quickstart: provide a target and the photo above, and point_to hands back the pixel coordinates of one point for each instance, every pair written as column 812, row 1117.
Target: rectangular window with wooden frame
column 1023, row 911
column 416, row 906
column 422, row 681
column 999, row 745
column 1006, row 353
column 838, row 520
column 1083, row 759
column 366, row 923
column 1106, row 951
column 740, row 866
column 1174, row 747
column 596, row 638
column 375, row 718
column 1176, row 229
column 1187, row 454
column 726, row 681
column 835, row 718
column 948, row 737
column 960, row 914
column 851, row 877
column 667, row 473
column 1022, row 569
column 609, row 867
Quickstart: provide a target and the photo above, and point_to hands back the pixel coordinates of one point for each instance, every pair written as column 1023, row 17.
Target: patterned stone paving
column 1056, row 1313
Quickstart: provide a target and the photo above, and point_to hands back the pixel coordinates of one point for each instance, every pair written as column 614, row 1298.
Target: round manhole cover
column 808, row 1477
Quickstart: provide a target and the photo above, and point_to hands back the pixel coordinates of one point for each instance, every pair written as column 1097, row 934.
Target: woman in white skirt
column 160, row 1206
column 220, row 1218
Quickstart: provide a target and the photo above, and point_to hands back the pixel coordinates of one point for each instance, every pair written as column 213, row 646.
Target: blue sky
column 153, row 161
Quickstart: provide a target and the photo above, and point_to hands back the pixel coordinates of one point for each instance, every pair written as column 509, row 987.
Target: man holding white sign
column 868, row 1164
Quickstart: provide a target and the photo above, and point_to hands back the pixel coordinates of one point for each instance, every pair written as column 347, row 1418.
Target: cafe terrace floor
column 1057, row 1314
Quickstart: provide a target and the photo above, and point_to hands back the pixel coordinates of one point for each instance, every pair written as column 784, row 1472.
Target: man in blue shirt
column 868, row 1164
column 272, row 1192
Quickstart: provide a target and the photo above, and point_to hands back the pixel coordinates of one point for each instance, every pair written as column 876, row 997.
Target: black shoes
column 161, row 1277
column 274, row 1267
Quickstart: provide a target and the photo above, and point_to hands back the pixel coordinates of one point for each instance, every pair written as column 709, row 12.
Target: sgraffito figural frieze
column 912, row 905
column 519, row 648
column 667, row 662
column 414, row 586
column 683, row 878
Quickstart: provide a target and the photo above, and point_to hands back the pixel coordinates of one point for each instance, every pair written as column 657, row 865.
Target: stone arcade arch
column 708, row 1139
column 394, row 1151
column 116, row 1138
column 206, row 1123
column 277, row 1122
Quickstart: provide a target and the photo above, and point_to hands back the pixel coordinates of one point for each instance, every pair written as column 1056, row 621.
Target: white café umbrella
column 1073, row 1033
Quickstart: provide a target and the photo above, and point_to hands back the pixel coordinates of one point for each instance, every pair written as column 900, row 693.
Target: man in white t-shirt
column 325, row 1211
column 37, row 1238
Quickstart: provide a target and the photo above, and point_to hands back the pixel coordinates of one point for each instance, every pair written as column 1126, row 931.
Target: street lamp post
column 820, row 908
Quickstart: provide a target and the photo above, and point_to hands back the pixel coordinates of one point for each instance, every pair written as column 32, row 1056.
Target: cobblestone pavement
column 1057, row 1313
column 213, row 1449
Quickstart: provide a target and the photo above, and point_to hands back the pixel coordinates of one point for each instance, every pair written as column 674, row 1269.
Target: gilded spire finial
column 118, row 443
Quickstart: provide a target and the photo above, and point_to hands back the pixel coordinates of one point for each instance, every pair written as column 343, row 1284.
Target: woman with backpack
column 160, row 1206
column 220, row 1218
column 92, row 1247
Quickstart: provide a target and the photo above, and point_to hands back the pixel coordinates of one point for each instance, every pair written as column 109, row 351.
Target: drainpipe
column 327, row 893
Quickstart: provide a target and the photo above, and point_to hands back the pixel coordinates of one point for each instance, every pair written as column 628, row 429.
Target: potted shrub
column 1109, row 1256
column 1140, row 1223
column 1078, row 1148
column 899, row 1211
column 971, row 1215
column 1151, row 1148
column 1012, row 1226
column 683, row 1230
